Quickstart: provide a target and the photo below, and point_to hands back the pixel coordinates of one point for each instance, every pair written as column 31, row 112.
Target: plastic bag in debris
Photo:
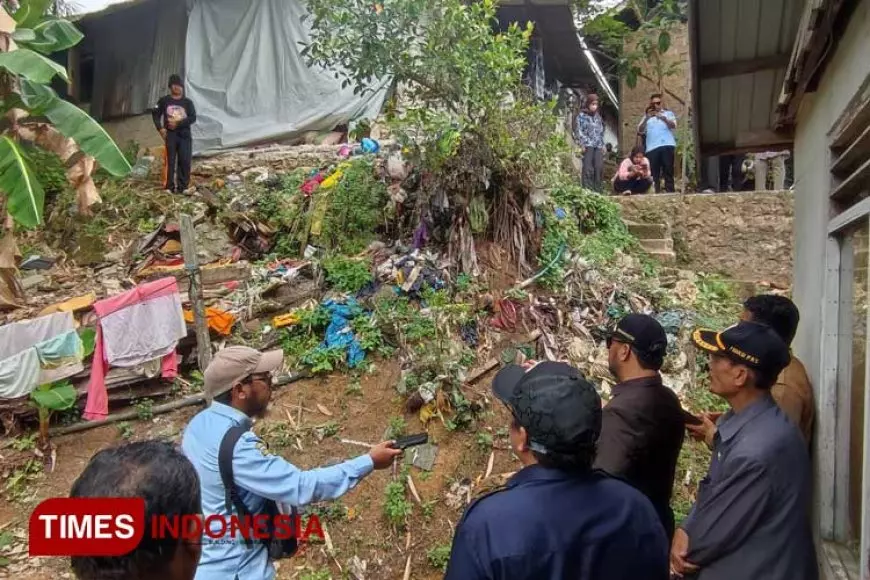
column 397, row 169
column 333, row 178
column 142, row 169
column 369, row 145
column 671, row 320
column 340, row 334
column 311, row 184
column 469, row 333
column 416, row 271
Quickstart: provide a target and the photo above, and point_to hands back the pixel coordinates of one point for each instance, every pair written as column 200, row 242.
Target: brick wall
column 634, row 101
column 743, row 236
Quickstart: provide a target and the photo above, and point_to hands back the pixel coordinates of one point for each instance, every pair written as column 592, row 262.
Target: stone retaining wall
column 743, row 236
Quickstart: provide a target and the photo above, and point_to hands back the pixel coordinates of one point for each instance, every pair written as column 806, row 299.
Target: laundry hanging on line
column 133, row 328
column 38, row 351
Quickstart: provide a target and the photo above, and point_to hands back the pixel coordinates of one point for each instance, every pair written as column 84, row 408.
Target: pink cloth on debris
column 97, row 406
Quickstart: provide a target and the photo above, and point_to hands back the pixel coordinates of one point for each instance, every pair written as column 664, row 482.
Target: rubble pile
column 242, row 278
column 262, row 244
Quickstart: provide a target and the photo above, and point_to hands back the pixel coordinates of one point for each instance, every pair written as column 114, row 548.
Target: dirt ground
column 363, row 411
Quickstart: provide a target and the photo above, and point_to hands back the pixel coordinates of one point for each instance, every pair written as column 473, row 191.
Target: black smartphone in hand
column 411, row 441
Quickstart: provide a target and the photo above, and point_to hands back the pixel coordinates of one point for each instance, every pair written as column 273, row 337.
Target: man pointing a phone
column 239, row 380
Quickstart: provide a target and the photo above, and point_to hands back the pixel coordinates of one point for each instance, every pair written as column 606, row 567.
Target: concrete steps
column 655, row 239
column 657, row 245
column 643, row 231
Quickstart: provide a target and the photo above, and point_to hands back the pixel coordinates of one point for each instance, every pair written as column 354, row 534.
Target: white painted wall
column 848, row 68
column 844, row 75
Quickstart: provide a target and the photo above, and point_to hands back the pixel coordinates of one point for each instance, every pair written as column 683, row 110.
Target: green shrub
column 346, row 274
column 356, row 208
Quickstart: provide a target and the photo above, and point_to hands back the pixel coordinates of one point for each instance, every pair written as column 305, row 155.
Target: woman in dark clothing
column 590, row 135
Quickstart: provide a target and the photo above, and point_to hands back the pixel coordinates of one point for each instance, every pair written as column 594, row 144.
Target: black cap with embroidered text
column 559, row 408
column 755, row 345
column 643, row 333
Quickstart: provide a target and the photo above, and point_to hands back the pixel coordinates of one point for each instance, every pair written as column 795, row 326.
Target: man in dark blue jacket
column 557, row 519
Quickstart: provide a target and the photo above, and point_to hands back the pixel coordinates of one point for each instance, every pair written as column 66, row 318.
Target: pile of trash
column 256, row 296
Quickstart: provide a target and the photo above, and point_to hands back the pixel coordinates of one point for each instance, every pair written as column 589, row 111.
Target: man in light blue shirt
column 658, row 127
column 239, row 380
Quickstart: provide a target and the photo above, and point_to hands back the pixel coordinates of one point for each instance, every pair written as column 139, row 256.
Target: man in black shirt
column 173, row 117
column 642, row 427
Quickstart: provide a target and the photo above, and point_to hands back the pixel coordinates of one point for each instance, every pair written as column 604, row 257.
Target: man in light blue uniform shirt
column 658, row 126
column 239, row 380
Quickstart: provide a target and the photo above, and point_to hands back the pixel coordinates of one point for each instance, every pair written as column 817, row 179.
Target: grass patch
column 439, row 556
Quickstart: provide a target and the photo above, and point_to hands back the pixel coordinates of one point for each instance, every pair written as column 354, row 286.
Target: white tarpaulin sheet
column 250, row 84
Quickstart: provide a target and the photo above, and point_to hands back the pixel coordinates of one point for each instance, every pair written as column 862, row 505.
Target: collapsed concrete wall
column 742, row 236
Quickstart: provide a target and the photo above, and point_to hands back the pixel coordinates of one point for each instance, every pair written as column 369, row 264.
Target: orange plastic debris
column 218, row 320
column 285, row 320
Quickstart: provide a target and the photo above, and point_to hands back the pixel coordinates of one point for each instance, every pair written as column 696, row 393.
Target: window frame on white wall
column 850, row 208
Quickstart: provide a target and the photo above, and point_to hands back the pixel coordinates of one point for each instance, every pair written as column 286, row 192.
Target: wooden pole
column 191, row 265
column 688, row 133
column 128, row 415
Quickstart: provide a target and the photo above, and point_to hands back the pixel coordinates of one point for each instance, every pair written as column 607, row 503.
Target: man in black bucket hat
column 557, row 518
column 751, row 519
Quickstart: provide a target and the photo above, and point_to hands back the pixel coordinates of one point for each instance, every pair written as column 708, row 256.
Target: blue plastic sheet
column 339, row 332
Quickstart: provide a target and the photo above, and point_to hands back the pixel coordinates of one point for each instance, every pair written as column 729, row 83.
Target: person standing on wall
column 590, row 135
column 658, row 127
column 173, row 117
column 731, row 177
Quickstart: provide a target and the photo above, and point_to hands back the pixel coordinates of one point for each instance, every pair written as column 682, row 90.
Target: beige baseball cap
column 234, row 363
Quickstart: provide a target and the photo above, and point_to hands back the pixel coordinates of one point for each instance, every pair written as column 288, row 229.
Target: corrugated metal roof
column 742, row 50
column 134, row 50
column 554, row 25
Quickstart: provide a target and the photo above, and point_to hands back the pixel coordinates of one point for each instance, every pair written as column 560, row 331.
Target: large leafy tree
column 35, row 113
column 462, row 114
column 452, row 69
column 640, row 52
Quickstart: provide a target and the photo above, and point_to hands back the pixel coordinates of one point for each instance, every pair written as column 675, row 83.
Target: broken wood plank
column 212, row 274
column 191, row 266
column 128, row 415
column 476, row 374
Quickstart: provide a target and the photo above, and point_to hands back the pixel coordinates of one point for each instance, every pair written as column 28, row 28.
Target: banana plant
column 27, row 100
column 59, row 396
